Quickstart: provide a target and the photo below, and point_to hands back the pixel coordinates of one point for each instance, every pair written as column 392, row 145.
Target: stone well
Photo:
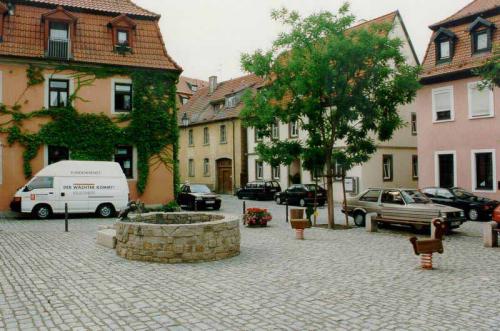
column 178, row 237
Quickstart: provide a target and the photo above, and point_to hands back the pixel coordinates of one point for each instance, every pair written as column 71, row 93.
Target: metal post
column 287, row 210
column 244, row 207
column 66, row 217
column 195, row 205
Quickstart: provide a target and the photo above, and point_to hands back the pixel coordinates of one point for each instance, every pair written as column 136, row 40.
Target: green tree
column 490, row 71
column 340, row 84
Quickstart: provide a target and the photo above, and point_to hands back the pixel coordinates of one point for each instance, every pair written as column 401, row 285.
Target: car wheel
column 42, row 212
column 105, row 211
column 473, row 214
column 278, row 200
column 359, row 219
column 302, row 202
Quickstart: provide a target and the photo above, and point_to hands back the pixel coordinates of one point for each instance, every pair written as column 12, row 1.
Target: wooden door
column 224, row 176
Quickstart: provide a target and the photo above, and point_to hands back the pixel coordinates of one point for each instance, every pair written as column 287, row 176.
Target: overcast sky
column 207, row 37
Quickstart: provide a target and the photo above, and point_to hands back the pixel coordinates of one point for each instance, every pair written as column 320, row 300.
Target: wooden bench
column 491, row 231
column 373, row 219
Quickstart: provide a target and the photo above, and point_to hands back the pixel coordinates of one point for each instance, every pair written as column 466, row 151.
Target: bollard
column 286, row 210
column 66, row 218
column 244, row 207
column 195, row 205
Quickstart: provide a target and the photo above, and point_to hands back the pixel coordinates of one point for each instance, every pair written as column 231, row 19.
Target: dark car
column 476, row 208
column 302, row 195
column 259, row 190
column 197, row 197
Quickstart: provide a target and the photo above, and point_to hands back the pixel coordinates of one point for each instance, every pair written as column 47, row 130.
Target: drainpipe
column 234, row 159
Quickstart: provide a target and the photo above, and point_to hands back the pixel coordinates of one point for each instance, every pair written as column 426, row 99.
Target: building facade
column 213, row 141
column 43, row 48
column 395, row 164
column 458, row 121
column 187, row 87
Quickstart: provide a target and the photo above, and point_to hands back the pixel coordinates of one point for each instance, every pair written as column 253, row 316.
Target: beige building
column 213, row 142
column 395, row 164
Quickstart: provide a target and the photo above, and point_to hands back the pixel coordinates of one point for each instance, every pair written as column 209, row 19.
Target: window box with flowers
column 256, row 217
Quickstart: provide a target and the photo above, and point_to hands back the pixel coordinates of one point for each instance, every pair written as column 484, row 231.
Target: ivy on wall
column 151, row 126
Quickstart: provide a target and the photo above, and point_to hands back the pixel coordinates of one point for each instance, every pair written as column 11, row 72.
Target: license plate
column 209, row 202
column 455, row 223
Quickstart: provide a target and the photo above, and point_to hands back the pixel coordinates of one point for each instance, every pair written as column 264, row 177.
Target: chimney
column 212, row 84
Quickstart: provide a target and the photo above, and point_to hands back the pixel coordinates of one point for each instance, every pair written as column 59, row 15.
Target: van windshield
column 40, row 183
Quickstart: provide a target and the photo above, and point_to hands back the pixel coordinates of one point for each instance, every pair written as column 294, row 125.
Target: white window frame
column 473, row 170
column 390, row 176
column 1, row 88
column 436, row 166
column 135, row 173
column 273, row 172
column 48, row 77
column 472, row 85
column 113, row 82
column 275, row 131
column 452, row 110
column 294, row 129
column 257, row 162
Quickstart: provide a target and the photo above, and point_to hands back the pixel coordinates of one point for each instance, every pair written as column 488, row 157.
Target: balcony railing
column 59, row 49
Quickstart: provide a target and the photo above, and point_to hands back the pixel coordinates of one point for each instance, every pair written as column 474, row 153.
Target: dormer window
column 122, row 28
column 444, row 40
column 59, row 30
column 481, row 31
column 193, row 87
column 122, row 37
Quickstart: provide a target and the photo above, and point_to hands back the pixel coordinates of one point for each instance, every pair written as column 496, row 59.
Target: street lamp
column 185, row 120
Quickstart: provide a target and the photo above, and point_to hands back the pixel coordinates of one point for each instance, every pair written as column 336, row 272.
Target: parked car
column 84, row 186
column 197, row 197
column 401, row 203
column 259, row 190
column 302, row 195
column 475, row 208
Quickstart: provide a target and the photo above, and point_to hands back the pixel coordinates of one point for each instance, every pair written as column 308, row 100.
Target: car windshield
column 461, row 193
column 312, row 187
column 200, row 189
column 414, row 196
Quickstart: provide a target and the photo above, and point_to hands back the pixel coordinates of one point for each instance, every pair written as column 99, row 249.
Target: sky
column 207, row 37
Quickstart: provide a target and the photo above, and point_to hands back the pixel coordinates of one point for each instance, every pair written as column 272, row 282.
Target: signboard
column 350, row 185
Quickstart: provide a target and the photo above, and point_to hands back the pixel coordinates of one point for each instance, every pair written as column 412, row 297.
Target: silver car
column 401, row 204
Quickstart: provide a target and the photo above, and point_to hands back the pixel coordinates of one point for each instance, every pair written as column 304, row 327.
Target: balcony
column 59, row 49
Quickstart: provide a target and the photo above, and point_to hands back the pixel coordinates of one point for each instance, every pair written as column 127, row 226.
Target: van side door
column 76, row 193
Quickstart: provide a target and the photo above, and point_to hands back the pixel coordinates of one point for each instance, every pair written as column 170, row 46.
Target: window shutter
column 480, row 101
column 443, row 101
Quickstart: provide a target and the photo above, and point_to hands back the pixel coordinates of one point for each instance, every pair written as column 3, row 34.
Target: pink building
column 458, row 123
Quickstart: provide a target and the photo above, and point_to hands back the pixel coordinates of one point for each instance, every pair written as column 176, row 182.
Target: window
column 58, row 31
column 223, row 134
column 392, row 197
column 414, row 166
column 276, row 172
column 232, row 101
column 206, row 136
column 124, row 156
column 184, row 100
column 444, row 43
column 193, row 87
column 387, row 165
column 480, row 101
column 218, row 106
column 191, row 168
column 56, row 154
column 484, row 170
column 275, row 130
column 122, row 37
column 190, row 137
column 58, row 93
column 58, row 43
column 294, row 129
column 444, row 50
column 206, row 167
column 123, row 98
column 481, row 41
column 371, row 196
column 442, row 104
column 259, row 169
column 414, row 124
column 41, row 183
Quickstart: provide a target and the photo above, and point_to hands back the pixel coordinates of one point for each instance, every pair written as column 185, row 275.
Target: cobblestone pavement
column 342, row 279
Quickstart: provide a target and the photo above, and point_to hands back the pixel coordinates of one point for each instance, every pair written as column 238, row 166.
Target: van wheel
column 42, row 212
column 359, row 219
column 105, row 211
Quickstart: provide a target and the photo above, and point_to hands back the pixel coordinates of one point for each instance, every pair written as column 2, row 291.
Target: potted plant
column 257, row 217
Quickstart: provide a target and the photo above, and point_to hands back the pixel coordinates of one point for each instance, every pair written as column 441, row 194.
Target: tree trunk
column 329, row 188
column 345, row 200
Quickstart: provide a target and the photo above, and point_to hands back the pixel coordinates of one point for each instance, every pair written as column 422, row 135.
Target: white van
column 86, row 186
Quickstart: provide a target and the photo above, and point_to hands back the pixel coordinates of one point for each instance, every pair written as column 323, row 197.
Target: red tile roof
column 200, row 107
column 473, row 8
column 462, row 60
column 93, row 42
column 184, row 82
column 108, row 6
column 384, row 19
